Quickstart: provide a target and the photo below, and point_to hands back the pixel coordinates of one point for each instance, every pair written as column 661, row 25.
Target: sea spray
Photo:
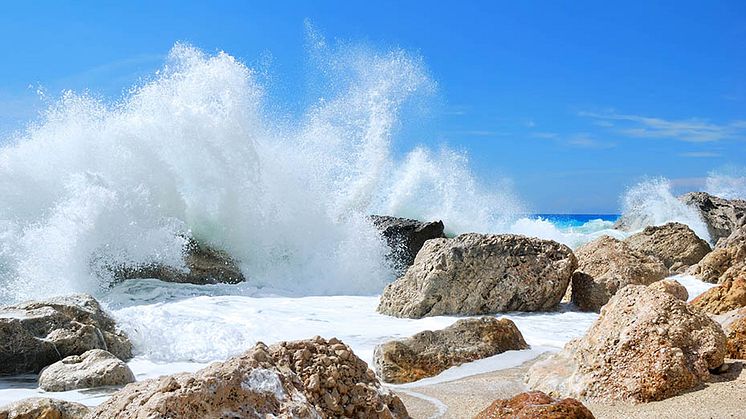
column 728, row 183
column 193, row 151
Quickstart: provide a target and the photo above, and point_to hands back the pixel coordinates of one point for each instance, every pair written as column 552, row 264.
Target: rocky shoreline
column 647, row 346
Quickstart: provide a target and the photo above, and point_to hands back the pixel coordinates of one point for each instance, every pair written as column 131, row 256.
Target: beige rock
column 606, row 265
column 726, row 261
column 734, row 326
column 535, row 405
column 727, row 296
column 94, row 368
column 429, row 353
column 300, row 379
column 675, row 244
column 672, row 287
column 646, row 345
column 476, row 274
column 43, row 408
column 35, row 334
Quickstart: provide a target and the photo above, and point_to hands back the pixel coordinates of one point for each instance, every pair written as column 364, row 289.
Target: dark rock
column 406, row 237
column 720, row 215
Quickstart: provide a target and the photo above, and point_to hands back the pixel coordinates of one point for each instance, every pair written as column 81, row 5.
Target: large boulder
column 727, row 296
column 204, row 265
column 43, row 408
column 675, row 244
column 301, row 379
column 429, row 353
column 535, row 405
column 405, row 237
column 35, row 334
column 727, row 260
column 607, row 265
column 646, row 345
column 476, row 274
column 720, row 215
column 94, row 368
column 734, row 326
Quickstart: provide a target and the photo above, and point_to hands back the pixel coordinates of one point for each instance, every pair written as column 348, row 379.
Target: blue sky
column 572, row 100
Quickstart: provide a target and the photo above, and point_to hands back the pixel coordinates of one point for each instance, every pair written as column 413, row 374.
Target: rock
column 606, row 265
column 301, row 379
column 720, row 215
column 205, row 265
column 727, row 296
column 734, row 326
column 480, row 274
column 646, row 345
column 429, row 353
column 675, row 244
column 672, row 287
column 94, row 368
column 726, row 261
column 35, row 334
column 43, row 408
column 406, row 237
column 535, row 405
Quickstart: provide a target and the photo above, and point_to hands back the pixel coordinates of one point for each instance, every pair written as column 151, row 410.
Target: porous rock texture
column 43, row 408
column 675, row 244
column 475, row 274
column 405, row 237
column 35, row 334
column 646, row 345
column 607, row 265
column 94, row 368
column 720, row 215
column 429, row 353
column 312, row 378
column 535, row 405
column 204, row 265
column 725, row 297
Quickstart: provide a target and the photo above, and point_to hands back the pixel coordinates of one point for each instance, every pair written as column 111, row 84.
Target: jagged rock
column 204, row 265
column 646, row 345
column 535, row 405
column 480, row 274
column 35, row 334
column 727, row 296
column 607, row 265
column 727, row 260
column 406, row 237
column 94, row 368
column 429, row 353
column 302, row 379
column 734, row 326
column 720, row 215
column 43, row 408
column 672, row 287
column 675, row 244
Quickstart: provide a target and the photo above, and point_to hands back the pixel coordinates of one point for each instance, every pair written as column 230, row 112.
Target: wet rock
column 35, row 334
column 406, row 237
column 480, row 274
column 94, row 368
column 429, row 353
column 727, row 296
column 43, row 408
column 646, row 345
column 607, row 265
column 204, row 265
column 675, row 244
column 720, row 215
column 300, row 379
column 535, row 405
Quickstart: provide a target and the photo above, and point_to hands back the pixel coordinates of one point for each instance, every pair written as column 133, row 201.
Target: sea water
column 196, row 149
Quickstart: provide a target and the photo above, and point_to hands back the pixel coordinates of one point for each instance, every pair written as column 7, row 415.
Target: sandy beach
column 723, row 397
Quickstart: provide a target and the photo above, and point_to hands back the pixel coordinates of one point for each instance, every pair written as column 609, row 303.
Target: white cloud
column 690, row 130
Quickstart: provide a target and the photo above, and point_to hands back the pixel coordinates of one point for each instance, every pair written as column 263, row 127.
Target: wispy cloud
column 690, row 130
column 700, row 154
column 577, row 140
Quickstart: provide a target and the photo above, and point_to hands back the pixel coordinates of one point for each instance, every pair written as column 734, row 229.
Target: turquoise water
column 575, row 220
